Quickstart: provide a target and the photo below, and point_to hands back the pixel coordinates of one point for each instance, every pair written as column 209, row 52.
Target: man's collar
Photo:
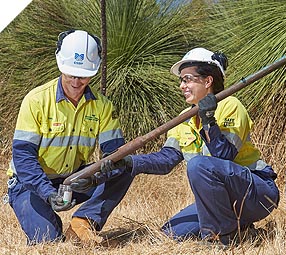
column 60, row 95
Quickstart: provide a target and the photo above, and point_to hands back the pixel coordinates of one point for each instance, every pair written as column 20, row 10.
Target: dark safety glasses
column 70, row 77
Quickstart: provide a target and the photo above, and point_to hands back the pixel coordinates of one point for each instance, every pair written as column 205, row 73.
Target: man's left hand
column 58, row 204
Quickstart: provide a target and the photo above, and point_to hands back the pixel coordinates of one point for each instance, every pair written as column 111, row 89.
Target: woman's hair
column 209, row 69
column 205, row 70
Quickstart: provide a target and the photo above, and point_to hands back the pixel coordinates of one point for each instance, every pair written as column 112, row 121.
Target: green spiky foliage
column 253, row 34
column 144, row 40
column 27, row 50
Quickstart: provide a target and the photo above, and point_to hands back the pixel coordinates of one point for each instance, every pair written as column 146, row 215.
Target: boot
column 80, row 231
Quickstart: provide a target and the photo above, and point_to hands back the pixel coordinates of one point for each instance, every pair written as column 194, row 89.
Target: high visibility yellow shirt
column 234, row 124
column 55, row 137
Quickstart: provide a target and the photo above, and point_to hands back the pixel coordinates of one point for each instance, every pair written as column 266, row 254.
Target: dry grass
column 150, row 201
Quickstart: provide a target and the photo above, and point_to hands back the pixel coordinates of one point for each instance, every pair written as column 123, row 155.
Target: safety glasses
column 187, row 78
column 70, row 77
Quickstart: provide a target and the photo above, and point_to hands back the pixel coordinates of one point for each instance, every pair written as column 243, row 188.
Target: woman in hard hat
column 232, row 186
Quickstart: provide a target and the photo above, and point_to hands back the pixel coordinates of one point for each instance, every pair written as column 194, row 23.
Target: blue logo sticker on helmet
column 79, row 57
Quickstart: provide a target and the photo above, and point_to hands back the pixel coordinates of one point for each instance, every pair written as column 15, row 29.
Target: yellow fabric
column 233, row 121
column 66, row 135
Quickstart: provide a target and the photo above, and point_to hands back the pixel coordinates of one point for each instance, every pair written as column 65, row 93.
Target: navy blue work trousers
column 41, row 224
column 224, row 192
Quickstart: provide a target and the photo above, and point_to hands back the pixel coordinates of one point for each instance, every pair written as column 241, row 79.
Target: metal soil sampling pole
column 140, row 141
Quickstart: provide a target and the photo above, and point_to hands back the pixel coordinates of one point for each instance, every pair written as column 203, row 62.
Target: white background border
column 10, row 9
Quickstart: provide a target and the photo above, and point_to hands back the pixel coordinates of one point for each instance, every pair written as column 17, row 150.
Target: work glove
column 58, row 204
column 83, row 185
column 108, row 165
column 207, row 107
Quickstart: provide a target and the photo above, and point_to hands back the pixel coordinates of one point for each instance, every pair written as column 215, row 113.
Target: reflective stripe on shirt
column 66, row 136
column 234, row 123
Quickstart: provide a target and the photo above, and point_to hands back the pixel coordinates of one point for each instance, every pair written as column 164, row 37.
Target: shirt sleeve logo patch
column 228, row 122
column 57, row 124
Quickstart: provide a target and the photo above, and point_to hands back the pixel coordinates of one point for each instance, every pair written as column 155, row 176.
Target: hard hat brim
column 176, row 66
column 197, row 55
column 77, row 72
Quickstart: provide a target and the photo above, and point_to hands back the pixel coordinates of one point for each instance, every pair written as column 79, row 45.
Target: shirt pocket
column 53, row 126
column 89, row 128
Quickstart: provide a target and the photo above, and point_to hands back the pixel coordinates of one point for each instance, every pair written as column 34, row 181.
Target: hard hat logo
column 78, row 53
column 78, row 57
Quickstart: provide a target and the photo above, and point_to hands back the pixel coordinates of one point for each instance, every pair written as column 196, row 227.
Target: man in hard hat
column 232, row 186
column 58, row 128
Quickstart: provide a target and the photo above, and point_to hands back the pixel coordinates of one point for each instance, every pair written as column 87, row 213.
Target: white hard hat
column 198, row 55
column 78, row 53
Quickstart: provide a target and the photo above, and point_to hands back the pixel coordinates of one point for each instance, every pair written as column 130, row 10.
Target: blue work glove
column 108, row 165
column 83, row 185
column 58, row 204
column 207, row 107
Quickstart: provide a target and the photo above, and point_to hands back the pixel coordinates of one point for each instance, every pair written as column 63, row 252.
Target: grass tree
column 253, row 34
column 27, row 49
column 144, row 39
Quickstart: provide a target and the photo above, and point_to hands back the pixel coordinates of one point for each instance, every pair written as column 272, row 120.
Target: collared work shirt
column 234, row 125
column 53, row 138
column 229, row 140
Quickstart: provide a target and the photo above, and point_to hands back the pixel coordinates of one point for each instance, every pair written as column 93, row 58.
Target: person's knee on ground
column 183, row 225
